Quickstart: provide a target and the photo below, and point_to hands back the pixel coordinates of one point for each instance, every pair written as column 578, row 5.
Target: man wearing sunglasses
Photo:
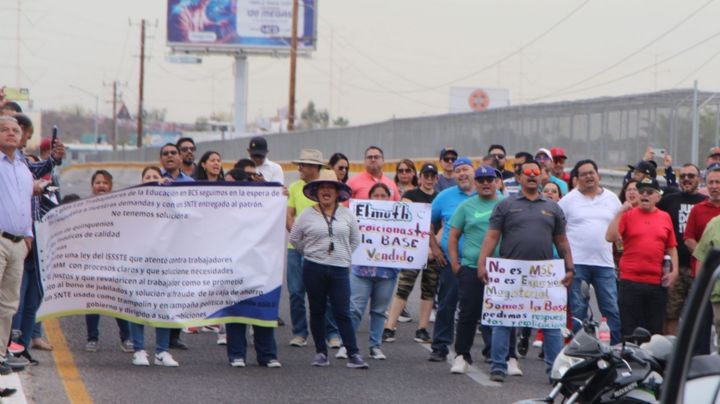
column 497, row 152
column 446, row 179
column 170, row 162
column 678, row 206
column 511, row 186
column 545, row 158
column 589, row 209
column 186, row 147
column 529, row 225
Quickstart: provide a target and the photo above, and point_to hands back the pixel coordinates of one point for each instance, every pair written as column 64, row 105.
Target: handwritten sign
column 525, row 294
column 393, row 234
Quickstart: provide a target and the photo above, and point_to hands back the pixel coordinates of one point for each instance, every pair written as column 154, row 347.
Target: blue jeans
column 264, row 338
column 31, row 294
column 296, row 291
column 447, row 297
column 470, row 295
column 323, row 283
column 92, row 321
column 162, row 338
column 552, row 344
column 605, row 284
column 379, row 292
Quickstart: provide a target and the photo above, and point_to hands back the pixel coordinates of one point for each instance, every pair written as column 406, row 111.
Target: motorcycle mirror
column 640, row 336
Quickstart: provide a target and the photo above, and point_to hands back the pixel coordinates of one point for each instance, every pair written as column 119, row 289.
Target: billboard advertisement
column 477, row 99
column 239, row 25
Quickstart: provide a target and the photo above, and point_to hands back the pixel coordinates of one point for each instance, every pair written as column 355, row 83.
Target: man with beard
column 678, row 206
column 186, row 147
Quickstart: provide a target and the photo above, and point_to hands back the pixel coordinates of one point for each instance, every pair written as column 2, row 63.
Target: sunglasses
column 498, row 156
column 688, row 176
column 485, row 180
column 404, row 170
column 373, row 157
column 186, row 149
column 169, row 153
column 542, row 157
column 646, row 191
column 342, row 168
column 449, row 159
column 531, row 171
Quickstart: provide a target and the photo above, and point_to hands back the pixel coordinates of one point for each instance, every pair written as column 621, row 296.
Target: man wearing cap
column 424, row 193
column 558, row 169
column 16, row 191
column 186, row 147
column 700, row 215
column 545, row 158
column 443, row 208
column 648, row 235
column 309, row 164
column 258, row 150
column 471, row 220
column 529, row 225
column 362, row 182
column 448, row 155
column 589, row 209
column 678, row 206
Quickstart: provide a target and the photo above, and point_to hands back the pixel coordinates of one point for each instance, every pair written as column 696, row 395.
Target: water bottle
column 604, row 331
column 666, row 269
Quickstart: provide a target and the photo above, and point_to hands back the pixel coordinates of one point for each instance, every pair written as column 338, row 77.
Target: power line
column 691, row 74
column 629, row 56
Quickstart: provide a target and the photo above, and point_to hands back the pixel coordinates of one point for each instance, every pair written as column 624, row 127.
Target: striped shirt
column 311, row 237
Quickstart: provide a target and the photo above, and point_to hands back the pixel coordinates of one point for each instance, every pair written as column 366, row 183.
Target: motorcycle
column 590, row 371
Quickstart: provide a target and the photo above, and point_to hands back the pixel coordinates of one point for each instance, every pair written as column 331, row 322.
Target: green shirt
column 298, row 200
column 472, row 218
column 709, row 239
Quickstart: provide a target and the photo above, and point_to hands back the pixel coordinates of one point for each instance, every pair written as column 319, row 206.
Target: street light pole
column 97, row 108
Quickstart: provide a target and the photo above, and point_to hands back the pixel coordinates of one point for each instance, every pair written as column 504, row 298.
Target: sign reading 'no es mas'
column 393, row 234
column 525, row 294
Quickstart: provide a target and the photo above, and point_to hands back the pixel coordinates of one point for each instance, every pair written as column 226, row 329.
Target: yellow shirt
column 298, row 200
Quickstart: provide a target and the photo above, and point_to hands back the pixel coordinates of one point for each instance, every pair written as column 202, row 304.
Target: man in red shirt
column 648, row 235
column 361, row 183
column 699, row 217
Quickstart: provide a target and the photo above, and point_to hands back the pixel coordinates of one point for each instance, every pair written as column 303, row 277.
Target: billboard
column 225, row 26
column 476, row 99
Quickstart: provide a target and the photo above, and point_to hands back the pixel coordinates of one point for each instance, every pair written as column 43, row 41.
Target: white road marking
column 473, row 372
column 13, row 381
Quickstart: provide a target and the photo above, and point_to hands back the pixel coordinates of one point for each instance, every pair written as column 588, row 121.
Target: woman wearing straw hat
column 326, row 235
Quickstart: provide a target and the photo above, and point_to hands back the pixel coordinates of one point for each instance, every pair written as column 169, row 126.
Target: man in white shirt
column 589, row 209
column 258, row 150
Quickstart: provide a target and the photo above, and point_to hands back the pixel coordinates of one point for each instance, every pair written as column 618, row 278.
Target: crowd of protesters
column 532, row 208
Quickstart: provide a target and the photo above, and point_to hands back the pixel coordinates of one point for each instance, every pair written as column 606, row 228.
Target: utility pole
column 141, row 88
column 293, row 67
column 114, row 115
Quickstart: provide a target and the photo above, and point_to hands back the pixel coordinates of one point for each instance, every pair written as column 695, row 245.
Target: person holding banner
column 374, row 285
column 101, row 183
column 529, row 224
column 326, row 235
column 170, row 161
column 471, row 220
column 210, row 167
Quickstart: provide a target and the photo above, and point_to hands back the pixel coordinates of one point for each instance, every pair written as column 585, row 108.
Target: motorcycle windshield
column 584, row 345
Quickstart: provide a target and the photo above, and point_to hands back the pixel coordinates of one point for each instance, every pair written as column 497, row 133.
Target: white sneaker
column 376, row 353
column 341, row 353
column 222, row 339
column 274, row 363
column 537, row 344
column 165, row 359
column 512, row 368
column 238, row 363
column 140, row 358
column 459, row 366
column 298, row 341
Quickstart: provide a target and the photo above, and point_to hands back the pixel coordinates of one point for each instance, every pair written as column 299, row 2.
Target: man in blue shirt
column 170, row 161
column 443, row 208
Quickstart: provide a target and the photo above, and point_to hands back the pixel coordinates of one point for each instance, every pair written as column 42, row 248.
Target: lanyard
column 329, row 221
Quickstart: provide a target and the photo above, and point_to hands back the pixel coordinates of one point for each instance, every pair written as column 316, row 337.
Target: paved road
column 204, row 375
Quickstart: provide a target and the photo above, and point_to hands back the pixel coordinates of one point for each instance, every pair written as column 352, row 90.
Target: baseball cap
column 714, row 151
column 446, row 150
column 646, row 167
column 485, row 171
column 258, row 146
column 648, row 183
column 428, row 168
column 461, row 161
column 558, row 153
column 713, row 167
column 544, row 151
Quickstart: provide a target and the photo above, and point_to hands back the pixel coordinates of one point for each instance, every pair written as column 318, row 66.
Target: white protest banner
column 393, row 234
column 179, row 255
column 525, row 294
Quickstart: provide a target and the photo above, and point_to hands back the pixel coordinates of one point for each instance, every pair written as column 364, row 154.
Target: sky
column 375, row 59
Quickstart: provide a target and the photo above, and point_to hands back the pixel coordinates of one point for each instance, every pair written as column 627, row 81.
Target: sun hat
column 327, row 177
column 311, row 156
